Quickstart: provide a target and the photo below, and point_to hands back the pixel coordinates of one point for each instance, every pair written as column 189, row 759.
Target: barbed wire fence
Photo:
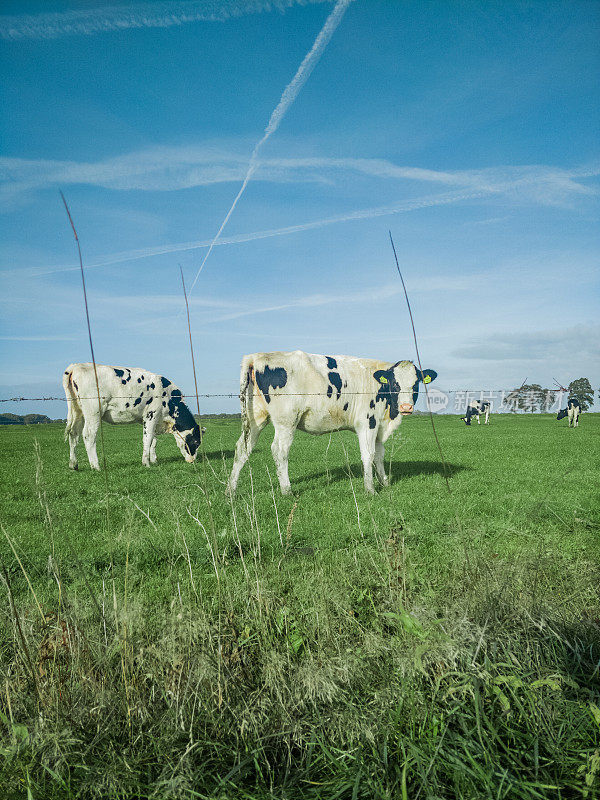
column 502, row 400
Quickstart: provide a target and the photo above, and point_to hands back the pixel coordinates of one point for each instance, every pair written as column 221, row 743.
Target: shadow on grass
column 400, row 469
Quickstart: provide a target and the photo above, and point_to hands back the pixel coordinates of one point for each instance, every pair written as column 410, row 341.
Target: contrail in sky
column 86, row 22
column 415, row 204
column 287, row 98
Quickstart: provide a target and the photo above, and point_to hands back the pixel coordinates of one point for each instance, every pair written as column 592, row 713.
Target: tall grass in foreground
column 282, row 669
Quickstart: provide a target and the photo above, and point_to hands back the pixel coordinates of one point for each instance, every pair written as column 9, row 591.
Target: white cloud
column 186, row 167
column 139, row 15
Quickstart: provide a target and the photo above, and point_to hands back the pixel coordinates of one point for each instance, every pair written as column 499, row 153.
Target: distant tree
column 530, row 397
column 582, row 390
column 10, row 419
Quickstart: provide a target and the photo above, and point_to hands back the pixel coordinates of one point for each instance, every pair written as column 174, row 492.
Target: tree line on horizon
column 532, row 397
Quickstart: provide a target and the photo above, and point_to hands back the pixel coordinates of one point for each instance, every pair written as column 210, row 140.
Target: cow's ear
column 427, row 375
column 381, row 376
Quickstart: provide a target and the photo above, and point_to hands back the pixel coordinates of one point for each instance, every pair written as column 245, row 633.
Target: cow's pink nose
column 406, row 408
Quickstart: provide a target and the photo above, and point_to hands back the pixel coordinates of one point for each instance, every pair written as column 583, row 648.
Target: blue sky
column 468, row 129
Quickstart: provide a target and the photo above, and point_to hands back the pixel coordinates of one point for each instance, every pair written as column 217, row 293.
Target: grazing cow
column 572, row 411
column 319, row 394
column 126, row 395
column 475, row 408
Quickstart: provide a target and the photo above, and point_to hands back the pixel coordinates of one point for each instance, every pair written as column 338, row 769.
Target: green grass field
column 417, row 644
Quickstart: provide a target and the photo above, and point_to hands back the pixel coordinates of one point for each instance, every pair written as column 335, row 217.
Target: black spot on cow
column 331, row 363
column 66, row 372
column 372, row 404
column 388, row 390
column 372, row 421
column 147, row 387
column 119, row 372
column 345, row 406
column 184, row 421
column 165, row 382
column 150, row 414
column 193, row 440
column 76, row 387
column 126, row 405
column 152, row 386
column 164, row 394
column 139, row 380
column 137, row 401
column 276, row 377
column 164, row 404
column 149, row 401
column 334, row 380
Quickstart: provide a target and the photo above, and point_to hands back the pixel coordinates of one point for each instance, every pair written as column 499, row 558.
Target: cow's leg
column 74, row 434
column 487, row 417
column 282, row 441
column 153, row 451
column 478, row 419
column 379, row 462
column 245, row 445
column 366, row 441
column 147, row 439
column 90, row 432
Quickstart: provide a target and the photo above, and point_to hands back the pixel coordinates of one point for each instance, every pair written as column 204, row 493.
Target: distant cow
column 474, row 409
column 126, row 395
column 572, row 411
column 319, row 394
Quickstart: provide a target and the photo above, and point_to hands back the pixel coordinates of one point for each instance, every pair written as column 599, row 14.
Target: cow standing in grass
column 126, row 395
column 474, row 409
column 572, row 411
column 320, row 394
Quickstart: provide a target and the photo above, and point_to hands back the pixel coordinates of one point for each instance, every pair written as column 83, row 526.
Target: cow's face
column 562, row 413
column 189, row 442
column 184, row 427
column 397, row 387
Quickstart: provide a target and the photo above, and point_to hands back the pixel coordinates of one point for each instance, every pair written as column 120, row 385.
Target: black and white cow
column 319, row 394
column 572, row 411
column 475, row 408
column 126, row 395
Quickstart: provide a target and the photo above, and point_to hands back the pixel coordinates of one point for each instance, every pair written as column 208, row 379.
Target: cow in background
column 474, row 409
column 572, row 411
column 320, row 394
column 126, row 395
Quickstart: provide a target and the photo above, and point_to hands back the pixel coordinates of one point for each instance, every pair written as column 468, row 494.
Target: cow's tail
column 247, row 396
column 73, row 407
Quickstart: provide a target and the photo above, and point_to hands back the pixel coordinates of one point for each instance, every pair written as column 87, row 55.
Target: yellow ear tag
column 383, row 379
column 427, row 379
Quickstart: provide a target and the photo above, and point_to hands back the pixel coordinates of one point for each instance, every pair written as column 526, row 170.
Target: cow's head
column 562, row 413
column 399, row 386
column 184, row 427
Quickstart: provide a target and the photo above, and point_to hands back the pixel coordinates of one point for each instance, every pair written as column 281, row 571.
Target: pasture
column 416, row 644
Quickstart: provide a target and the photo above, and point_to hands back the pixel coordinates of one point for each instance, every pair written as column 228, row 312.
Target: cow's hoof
column 74, row 466
column 287, row 491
